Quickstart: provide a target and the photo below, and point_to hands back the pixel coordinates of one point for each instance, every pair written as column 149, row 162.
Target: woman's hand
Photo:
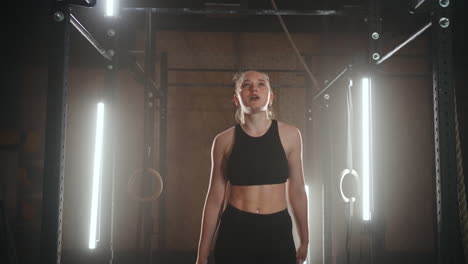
column 301, row 254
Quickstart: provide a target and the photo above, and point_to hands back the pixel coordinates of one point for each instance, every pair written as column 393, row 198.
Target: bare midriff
column 259, row 199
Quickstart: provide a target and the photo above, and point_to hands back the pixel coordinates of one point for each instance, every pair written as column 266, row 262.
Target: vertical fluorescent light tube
column 109, row 7
column 308, row 217
column 97, row 173
column 366, row 148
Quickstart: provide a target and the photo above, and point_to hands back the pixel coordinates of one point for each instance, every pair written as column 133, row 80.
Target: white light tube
column 366, row 149
column 109, row 7
column 97, row 174
column 307, row 261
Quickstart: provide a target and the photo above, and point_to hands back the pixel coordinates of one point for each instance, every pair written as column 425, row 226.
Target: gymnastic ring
column 356, row 177
column 158, row 182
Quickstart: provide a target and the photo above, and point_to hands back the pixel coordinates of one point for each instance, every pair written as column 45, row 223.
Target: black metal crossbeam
column 85, row 33
column 214, row 11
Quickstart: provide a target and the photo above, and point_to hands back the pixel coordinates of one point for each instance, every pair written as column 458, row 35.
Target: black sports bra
column 257, row 160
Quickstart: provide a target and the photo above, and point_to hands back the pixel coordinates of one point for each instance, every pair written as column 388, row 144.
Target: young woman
column 261, row 161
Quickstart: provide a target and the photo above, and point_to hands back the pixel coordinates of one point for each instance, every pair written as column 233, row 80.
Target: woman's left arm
column 296, row 192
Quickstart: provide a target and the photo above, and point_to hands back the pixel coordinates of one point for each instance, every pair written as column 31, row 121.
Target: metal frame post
column 449, row 248
column 327, row 195
column 309, row 132
column 110, row 98
column 163, row 94
column 326, row 148
column 145, row 219
column 377, row 224
column 54, row 162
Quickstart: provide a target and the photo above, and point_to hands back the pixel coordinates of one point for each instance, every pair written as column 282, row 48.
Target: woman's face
column 253, row 93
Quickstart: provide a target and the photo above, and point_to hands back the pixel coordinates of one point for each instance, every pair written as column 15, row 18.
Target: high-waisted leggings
column 249, row 238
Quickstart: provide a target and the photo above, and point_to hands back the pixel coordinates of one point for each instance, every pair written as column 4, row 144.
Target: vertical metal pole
column 449, row 248
column 327, row 180
column 309, row 117
column 327, row 159
column 52, row 199
column 308, row 142
column 163, row 94
column 111, row 129
column 148, row 137
column 377, row 224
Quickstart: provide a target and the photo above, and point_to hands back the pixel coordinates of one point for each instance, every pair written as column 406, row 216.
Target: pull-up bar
column 213, row 11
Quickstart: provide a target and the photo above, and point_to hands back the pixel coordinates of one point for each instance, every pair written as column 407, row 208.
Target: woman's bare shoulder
column 224, row 138
column 288, row 129
column 290, row 137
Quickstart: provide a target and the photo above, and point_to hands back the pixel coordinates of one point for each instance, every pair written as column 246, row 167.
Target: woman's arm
column 296, row 193
column 214, row 201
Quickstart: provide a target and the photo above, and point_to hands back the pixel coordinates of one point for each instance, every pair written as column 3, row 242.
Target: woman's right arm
column 214, row 200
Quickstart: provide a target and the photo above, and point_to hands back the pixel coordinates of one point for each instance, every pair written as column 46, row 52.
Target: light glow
column 366, row 149
column 109, row 7
column 97, row 176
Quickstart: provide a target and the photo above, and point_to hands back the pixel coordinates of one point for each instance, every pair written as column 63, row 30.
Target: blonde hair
column 237, row 79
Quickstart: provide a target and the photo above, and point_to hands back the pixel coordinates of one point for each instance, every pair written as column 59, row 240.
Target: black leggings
column 248, row 238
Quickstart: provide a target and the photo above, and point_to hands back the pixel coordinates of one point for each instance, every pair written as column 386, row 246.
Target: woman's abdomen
column 260, row 199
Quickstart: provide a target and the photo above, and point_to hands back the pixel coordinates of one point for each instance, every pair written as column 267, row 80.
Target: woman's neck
column 256, row 123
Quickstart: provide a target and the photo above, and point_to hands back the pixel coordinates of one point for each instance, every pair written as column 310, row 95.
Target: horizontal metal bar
column 211, row 11
column 225, row 85
column 201, row 85
column 405, row 76
column 415, row 35
column 89, row 37
column 230, row 70
column 136, row 51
